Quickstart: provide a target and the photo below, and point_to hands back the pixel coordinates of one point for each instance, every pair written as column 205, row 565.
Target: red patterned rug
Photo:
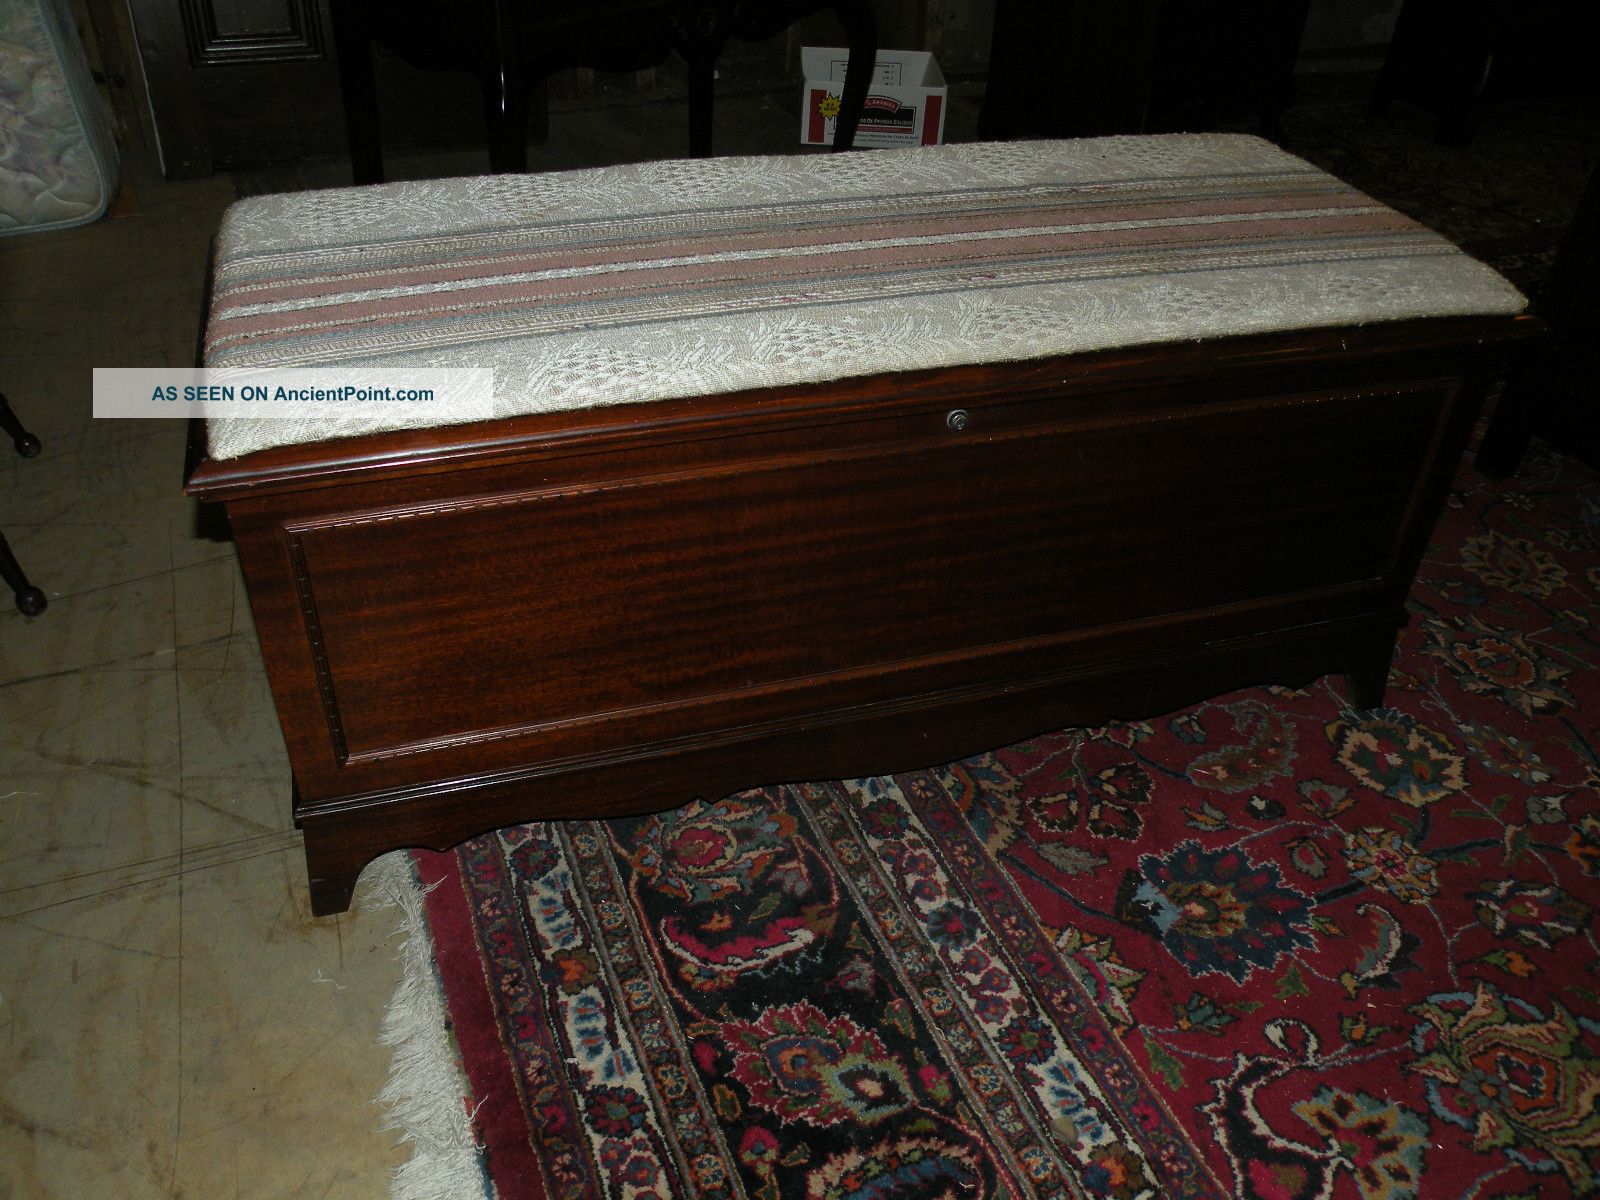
column 1264, row 947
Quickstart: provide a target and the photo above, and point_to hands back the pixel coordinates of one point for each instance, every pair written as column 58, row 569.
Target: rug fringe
column 426, row 1095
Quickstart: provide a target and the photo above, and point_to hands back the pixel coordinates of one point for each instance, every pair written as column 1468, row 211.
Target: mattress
column 58, row 158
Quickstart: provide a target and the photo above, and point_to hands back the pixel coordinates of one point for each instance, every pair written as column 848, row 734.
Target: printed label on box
column 904, row 105
column 885, row 72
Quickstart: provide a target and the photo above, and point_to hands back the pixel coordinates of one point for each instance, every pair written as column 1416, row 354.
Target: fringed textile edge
column 427, row 1096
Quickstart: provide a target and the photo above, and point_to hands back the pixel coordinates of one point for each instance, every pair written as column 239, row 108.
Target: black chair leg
column 352, row 45
column 30, row 600
column 702, row 97
column 861, row 33
column 505, row 116
column 27, row 445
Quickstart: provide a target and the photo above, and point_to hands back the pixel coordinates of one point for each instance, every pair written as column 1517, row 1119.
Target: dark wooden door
column 239, row 82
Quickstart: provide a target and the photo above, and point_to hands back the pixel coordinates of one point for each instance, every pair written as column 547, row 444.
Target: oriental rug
column 1266, row 946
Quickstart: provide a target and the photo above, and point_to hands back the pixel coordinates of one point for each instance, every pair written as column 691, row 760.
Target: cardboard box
column 905, row 105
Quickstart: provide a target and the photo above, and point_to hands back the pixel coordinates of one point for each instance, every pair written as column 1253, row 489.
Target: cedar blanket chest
column 820, row 467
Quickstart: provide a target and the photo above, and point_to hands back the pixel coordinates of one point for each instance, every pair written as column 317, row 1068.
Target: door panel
column 239, row 82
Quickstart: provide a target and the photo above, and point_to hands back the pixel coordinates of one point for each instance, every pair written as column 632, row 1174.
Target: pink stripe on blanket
column 444, row 263
column 766, row 276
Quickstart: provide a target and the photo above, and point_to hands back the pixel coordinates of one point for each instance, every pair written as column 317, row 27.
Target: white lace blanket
column 661, row 280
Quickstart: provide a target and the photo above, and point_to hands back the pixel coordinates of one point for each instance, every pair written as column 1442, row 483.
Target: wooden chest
column 609, row 610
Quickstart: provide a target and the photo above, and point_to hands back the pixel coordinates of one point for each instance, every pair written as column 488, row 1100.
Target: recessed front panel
column 641, row 608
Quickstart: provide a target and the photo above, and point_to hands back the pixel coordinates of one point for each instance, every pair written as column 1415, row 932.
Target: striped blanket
column 665, row 280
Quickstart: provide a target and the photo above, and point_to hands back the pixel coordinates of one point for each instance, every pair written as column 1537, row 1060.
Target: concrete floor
column 173, row 1021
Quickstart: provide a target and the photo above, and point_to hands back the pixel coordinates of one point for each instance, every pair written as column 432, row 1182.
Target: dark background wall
column 220, row 84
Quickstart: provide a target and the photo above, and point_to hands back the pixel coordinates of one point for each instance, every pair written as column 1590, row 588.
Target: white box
column 906, row 99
